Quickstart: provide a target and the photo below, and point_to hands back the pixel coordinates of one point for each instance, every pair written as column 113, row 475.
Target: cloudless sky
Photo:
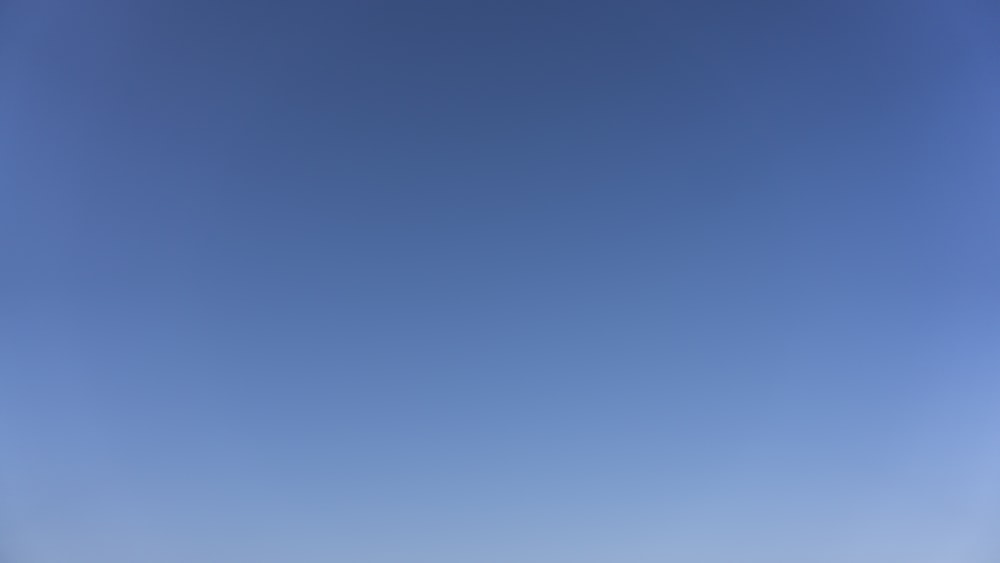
column 442, row 281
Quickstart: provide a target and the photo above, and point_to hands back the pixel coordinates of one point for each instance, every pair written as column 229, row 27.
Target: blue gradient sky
column 467, row 282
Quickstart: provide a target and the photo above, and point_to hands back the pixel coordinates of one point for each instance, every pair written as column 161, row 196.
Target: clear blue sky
column 477, row 282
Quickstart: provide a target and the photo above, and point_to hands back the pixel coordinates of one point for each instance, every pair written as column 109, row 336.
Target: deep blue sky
column 523, row 281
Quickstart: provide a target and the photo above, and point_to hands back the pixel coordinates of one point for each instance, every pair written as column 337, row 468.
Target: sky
column 548, row 281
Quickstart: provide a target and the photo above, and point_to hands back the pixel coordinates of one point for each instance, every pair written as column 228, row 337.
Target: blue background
column 457, row 282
